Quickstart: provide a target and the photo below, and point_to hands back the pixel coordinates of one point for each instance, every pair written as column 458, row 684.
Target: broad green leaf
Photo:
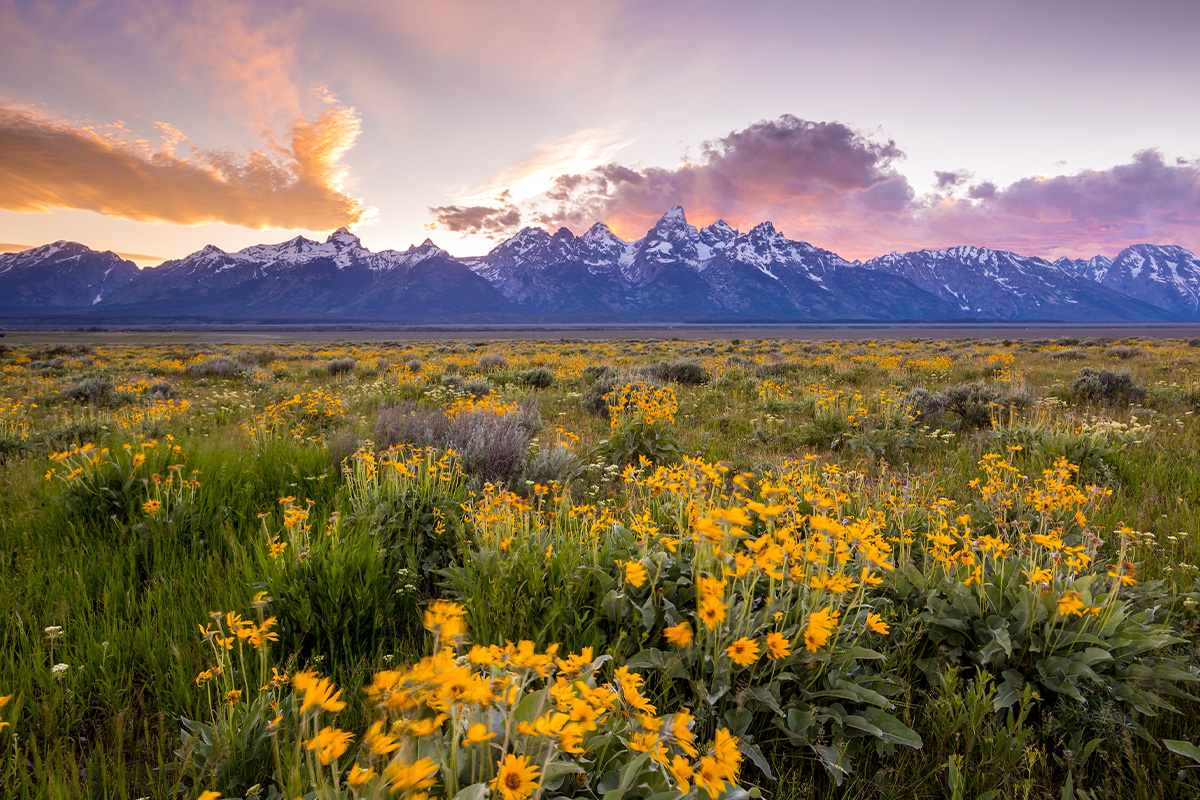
column 860, row 723
column 893, row 730
column 753, row 752
column 1183, row 748
column 628, row 775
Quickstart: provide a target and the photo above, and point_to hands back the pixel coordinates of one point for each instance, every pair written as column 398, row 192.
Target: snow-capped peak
column 765, row 230
column 342, row 237
column 601, row 234
column 672, row 219
column 719, row 231
column 425, row 246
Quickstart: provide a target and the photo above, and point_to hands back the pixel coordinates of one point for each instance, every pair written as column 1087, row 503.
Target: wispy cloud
column 47, row 164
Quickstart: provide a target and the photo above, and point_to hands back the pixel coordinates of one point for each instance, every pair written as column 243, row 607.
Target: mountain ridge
column 676, row 271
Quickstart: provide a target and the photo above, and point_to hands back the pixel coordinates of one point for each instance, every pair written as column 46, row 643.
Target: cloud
column 492, row 210
column 821, row 173
column 47, row 164
column 498, row 220
column 1092, row 211
column 951, row 178
column 829, row 184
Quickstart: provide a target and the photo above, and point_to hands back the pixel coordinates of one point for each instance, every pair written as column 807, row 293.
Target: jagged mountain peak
column 342, row 237
column 765, row 230
column 674, row 217
column 601, row 234
column 424, row 246
column 61, row 274
column 720, row 231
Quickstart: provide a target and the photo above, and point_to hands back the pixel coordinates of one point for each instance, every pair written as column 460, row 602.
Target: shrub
column 341, row 445
column 974, row 404
column 828, row 429
column 1124, row 352
column 161, row 390
column 342, row 599
column 491, row 442
column 492, row 362
column 552, row 463
column 777, row 369
column 262, row 357
column 493, row 445
column 350, row 588
column 339, row 366
column 687, row 373
column 94, row 389
column 477, row 387
column 596, row 372
column 642, row 425
column 410, row 507
column 1107, row 387
column 538, row 378
column 410, row 424
column 925, row 406
column 593, row 398
column 215, row 367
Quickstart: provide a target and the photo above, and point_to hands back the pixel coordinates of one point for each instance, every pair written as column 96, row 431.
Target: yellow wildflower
column 743, row 652
column 679, row 635
column 820, row 628
column 516, row 778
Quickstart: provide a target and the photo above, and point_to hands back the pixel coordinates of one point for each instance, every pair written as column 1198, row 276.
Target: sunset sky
column 1055, row 127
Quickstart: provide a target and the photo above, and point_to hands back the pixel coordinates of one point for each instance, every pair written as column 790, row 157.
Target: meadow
column 626, row 568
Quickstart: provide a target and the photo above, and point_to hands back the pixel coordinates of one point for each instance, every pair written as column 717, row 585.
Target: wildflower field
column 601, row 569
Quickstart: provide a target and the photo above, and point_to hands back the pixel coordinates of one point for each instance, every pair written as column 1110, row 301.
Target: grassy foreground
column 622, row 569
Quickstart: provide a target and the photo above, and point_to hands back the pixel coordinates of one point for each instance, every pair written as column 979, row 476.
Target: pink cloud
column 831, row 185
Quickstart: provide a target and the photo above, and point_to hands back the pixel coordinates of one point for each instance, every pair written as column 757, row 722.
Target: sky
column 1051, row 128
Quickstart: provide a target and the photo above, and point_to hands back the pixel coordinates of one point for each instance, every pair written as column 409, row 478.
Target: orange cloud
column 47, row 164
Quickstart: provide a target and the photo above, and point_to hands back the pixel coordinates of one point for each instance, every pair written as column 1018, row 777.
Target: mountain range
column 675, row 272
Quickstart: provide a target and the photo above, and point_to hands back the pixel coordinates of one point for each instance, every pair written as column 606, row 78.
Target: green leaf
column 738, row 720
column 649, row 613
column 799, row 722
column 765, row 696
column 864, row 694
column 628, row 774
column 893, row 731
column 1180, row 747
column 865, row 654
column 753, row 752
column 860, row 723
column 834, row 760
column 476, row 791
